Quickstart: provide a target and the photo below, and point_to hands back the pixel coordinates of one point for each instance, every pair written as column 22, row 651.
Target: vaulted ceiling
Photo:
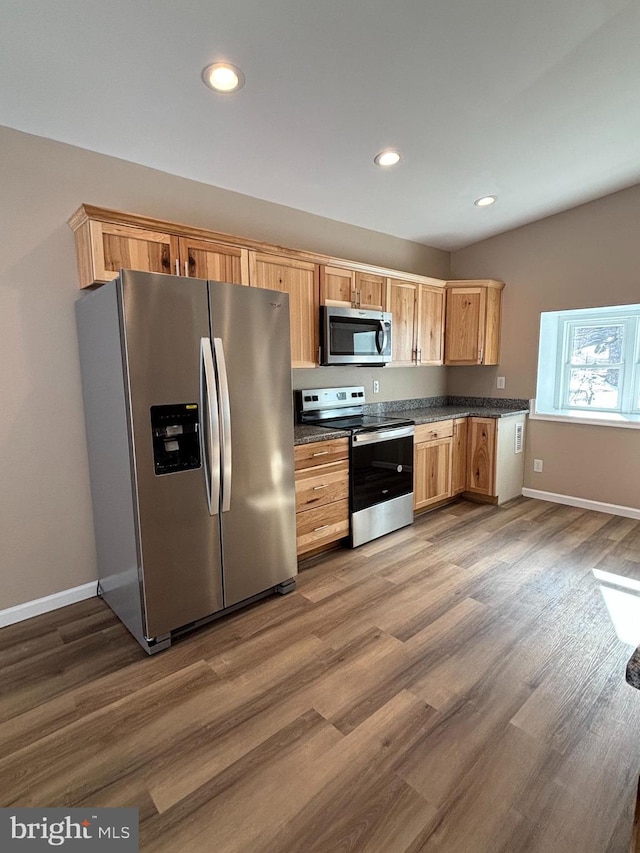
column 537, row 102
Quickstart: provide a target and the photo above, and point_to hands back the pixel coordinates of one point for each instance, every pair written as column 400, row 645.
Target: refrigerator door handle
column 225, row 423
column 210, row 435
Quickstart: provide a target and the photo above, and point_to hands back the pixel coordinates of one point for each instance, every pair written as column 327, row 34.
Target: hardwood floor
column 455, row 687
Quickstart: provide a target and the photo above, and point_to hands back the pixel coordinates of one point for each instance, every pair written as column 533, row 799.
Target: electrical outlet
column 376, row 386
column 537, row 466
column 500, row 381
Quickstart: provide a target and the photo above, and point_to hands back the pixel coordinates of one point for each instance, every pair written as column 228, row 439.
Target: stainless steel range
column 381, row 459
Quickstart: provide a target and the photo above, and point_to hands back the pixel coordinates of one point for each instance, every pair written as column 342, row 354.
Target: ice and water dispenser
column 176, row 440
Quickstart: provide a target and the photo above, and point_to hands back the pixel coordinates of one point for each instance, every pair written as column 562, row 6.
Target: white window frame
column 554, row 367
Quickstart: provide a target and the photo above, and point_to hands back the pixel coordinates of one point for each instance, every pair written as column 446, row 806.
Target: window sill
column 607, row 419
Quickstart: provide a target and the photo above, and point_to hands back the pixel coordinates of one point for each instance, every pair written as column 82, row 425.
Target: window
column 589, row 364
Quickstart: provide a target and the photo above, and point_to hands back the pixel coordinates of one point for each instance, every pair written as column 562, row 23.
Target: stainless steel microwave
column 354, row 336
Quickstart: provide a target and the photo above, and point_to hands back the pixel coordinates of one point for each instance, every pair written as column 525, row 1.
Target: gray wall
column 586, row 257
column 46, row 532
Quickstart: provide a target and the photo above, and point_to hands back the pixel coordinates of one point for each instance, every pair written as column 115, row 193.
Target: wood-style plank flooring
column 455, row 687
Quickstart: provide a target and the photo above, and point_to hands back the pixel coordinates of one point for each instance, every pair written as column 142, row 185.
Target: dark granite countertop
column 633, row 669
column 308, row 433
column 425, row 411
column 442, row 413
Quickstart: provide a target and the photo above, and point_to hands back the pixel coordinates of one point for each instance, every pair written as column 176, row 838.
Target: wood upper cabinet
column 351, row 288
column 481, row 450
column 337, row 286
column 472, row 326
column 459, row 456
column 430, row 325
column 370, row 290
column 300, row 280
column 213, row 261
column 104, row 248
column 402, row 301
column 418, row 322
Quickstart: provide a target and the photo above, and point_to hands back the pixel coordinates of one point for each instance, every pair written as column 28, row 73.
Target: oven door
column 381, row 466
column 354, row 336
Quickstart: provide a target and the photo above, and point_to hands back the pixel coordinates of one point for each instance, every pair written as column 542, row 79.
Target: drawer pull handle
column 321, row 453
column 323, row 486
column 323, row 527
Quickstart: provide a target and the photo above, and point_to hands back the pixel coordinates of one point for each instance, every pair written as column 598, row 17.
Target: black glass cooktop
column 362, row 423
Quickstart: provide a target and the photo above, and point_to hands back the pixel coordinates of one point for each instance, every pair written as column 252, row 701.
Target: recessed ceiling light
column 485, row 201
column 386, row 158
column 223, row 77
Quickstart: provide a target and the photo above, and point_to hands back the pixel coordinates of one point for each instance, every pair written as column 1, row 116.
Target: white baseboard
column 50, row 602
column 583, row 503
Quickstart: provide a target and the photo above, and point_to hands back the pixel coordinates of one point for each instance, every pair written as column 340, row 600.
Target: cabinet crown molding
column 88, row 212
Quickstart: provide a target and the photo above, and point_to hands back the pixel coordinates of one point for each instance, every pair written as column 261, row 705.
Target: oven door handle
column 382, row 435
column 382, row 332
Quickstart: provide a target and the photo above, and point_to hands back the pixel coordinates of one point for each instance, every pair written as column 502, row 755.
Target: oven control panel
column 313, row 399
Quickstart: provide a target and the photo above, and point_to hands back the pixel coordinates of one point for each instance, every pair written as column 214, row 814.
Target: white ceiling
column 535, row 101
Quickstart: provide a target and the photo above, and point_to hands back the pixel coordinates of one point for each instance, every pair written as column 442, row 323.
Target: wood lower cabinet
column 300, row 280
column 481, row 455
column 495, row 454
column 322, row 493
column 432, row 453
column 459, row 456
column 472, row 325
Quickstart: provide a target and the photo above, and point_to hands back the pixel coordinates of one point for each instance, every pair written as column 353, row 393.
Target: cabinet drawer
column 429, row 432
column 321, row 485
column 316, row 527
column 321, row 452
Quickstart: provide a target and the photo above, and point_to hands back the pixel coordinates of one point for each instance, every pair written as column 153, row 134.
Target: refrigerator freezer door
column 251, row 326
column 164, row 320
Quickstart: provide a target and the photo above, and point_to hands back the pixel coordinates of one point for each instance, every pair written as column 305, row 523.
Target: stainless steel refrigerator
column 188, row 410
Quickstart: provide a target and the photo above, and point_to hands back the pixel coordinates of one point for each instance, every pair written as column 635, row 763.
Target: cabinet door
column 370, row 289
column 115, row 247
column 481, row 455
column 432, row 477
column 430, row 325
column 464, row 328
column 300, row 280
column 459, row 456
column 337, row 286
column 213, row 261
column 491, row 354
column 402, row 302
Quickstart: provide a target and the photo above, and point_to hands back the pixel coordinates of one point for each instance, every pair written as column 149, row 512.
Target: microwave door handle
column 210, row 434
column 382, row 332
column 225, row 423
